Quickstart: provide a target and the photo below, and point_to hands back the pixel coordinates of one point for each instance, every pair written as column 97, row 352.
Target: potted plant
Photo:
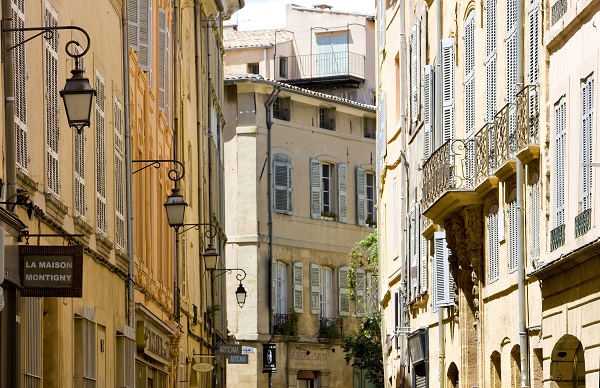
column 328, row 216
column 371, row 223
column 290, row 326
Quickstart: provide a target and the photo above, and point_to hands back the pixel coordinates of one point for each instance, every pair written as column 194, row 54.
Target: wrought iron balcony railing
column 284, row 324
column 328, row 65
column 558, row 9
column 485, row 162
column 331, row 328
column 528, row 114
column 505, row 128
column 557, row 237
column 583, row 222
column 450, row 167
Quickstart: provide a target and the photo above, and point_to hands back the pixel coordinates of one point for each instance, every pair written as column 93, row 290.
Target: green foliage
column 363, row 350
column 290, row 327
column 329, row 215
column 363, row 255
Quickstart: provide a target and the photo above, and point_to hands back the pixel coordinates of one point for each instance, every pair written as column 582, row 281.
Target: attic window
column 253, row 68
column 327, row 118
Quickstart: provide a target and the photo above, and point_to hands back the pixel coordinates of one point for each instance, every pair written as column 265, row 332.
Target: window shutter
column 20, row 85
column 282, row 288
column 395, row 218
column 274, row 285
column 80, row 174
column 315, row 288
column 397, row 314
column 361, row 282
column 428, row 79
column 414, row 259
column 145, row 35
column 511, row 49
column 163, row 56
column 315, row 188
column 493, row 245
column 534, row 214
column 490, row 61
column 343, row 298
column 534, row 39
column 119, row 175
column 133, row 23
column 421, row 59
column 342, row 193
column 282, row 184
column 382, row 5
column 298, row 287
column 382, row 136
column 423, row 265
column 512, row 235
column 447, row 89
column 52, row 105
column 470, row 74
column 414, row 102
column 361, row 196
column 101, row 223
column 559, row 161
column 443, row 282
column 587, row 123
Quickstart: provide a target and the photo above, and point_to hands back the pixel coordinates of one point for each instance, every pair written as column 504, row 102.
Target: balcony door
column 332, row 55
column 327, row 292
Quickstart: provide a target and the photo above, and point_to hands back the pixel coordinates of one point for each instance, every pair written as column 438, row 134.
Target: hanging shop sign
column 153, row 343
column 229, row 349
column 269, row 358
column 203, row 367
column 237, row 358
column 51, row 271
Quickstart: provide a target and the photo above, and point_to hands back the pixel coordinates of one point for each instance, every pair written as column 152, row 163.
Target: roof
column 258, row 38
column 324, row 8
column 229, row 78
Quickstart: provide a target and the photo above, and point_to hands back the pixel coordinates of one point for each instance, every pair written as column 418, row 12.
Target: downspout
column 128, row 173
column 523, row 343
column 266, row 64
column 438, row 125
column 268, row 105
column 176, row 296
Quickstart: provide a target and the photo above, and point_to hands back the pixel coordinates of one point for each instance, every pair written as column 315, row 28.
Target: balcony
column 583, row 222
column 485, row 180
column 328, row 69
column 449, row 179
column 505, row 144
column 330, row 328
column 557, row 237
column 285, row 324
column 528, row 115
column 558, row 9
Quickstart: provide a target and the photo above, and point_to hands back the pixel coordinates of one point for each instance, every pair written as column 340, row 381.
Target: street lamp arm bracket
column 173, row 173
column 210, row 233
column 48, row 33
column 239, row 276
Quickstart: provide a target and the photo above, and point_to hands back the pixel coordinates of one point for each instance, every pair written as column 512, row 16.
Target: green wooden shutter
column 342, row 193
column 315, row 188
column 315, row 288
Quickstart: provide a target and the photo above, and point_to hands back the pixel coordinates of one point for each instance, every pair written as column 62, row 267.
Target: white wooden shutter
column 119, row 175
column 20, row 85
column 587, row 139
column 361, row 196
column 443, row 282
column 52, row 105
column 534, row 41
column 414, row 102
column 315, row 288
column 101, row 223
column 382, row 132
column 490, row 61
column 511, row 50
column 282, row 184
column 534, row 214
column 428, row 79
column 493, row 245
column 274, row 285
column 342, row 192
column 361, row 286
column 80, row 208
column 470, row 74
column 560, row 123
column 424, row 264
column 343, row 298
column 163, row 57
column 421, row 59
column 282, row 288
column 447, row 89
column 412, row 249
column 395, row 217
column 382, row 7
column 298, row 287
column 315, row 188
column 133, row 23
column 145, row 35
column 512, row 235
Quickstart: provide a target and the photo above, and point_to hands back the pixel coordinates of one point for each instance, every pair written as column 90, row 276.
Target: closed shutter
column 414, row 258
column 342, row 193
column 52, row 105
column 381, row 133
column 414, row 102
column 361, row 196
column 163, row 55
column 315, row 188
column 512, row 235
column 282, row 184
column 101, row 223
column 119, row 175
column 511, row 49
column 274, row 285
column 422, row 58
column 443, row 282
column 587, row 124
column 145, row 35
column 490, row 59
column 534, row 214
column 298, row 287
column 534, row 41
column 428, row 79
column 559, row 160
column 382, row 6
column 470, row 74
column 424, row 262
column 343, row 298
column 493, row 244
column 397, row 312
column 20, row 85
column 80, row 208
column 361, row 286
column 447, row 89
column 394, row 218
column 420, row 381
column 133, row 23
column 315, row 288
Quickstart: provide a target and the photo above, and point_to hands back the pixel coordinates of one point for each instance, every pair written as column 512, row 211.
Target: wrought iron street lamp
column 240, row 293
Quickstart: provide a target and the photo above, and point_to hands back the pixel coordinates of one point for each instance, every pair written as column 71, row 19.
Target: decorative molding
column 55, row 208
column 82, row 227
column 122, row 260
column 25, row 182
column 103, row 245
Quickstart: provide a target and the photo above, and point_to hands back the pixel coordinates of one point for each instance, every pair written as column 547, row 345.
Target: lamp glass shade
column 175, row 207
column 211, row 257
column 78, row 96
column 240, row 295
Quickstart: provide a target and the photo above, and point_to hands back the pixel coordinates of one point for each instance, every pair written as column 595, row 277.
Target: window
column 322, row 182
column 370, row 199
column 447, row 90
column 365, row 292
column 490, row 60
column 282, row 184
column 326, row 292
column 101, row 223
column 332, row 55
column 52, row 105
column 512, row 231
column 119, row 175
column 253, row 68
column 20, row 85
column 493, row 244
column 370, row 127
column 281, row 284
column 283, row 67
column 327, row 118
column 470, row 73
column 85, row 348
column 443, row 284
column 326, row 188
column 587, row 141
column 315, row 288
column 140, row 31
column 281, row 108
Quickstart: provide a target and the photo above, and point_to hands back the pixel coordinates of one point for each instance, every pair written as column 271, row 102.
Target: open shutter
column 493, row 245
column 414, row 259
column 512, row 235
column 490, row 61
column 447, row 89
column 361, row 196
column 470, row 74
column 414, row 102
column 145, row 35
column 282, row 184
column 119, row 175
column 20, row 86
column 52, row 105
column 382, row 132
column 315, row 188
column 534, row 39
column 423, row 265
column 101, row 222
column 534, row 215
column 298, row 287
column 274, row 285
column 511, row 50
column 443, row 282
column 382, row 6
column 343, row 298
column 587, row 120
column 428, row 109
column 163, row 56
column 342, row 192
column 315, row 288
column 559, row 160
column 361, row 286
column 133, row 23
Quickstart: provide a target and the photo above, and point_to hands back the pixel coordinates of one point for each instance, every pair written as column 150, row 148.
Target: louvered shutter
column 298, row 287
column 382, row 6
column 414, row 102
column 559, row 161
column 133, row 23
column 361, row 286
column 511, row 49
column 422, row 58
column 587, row 124
column 424, row 264
column 361, row 196
column 100, row 130
column 315, row 188
column 80, row 209
column 447, row 89
column 534, row 41
column 493, row 245
column 412, row 249
column 315, row 288
column 342, row 192
column 274, row 267
column 395, row 217
column 145, row 35
column 382, row 132
column 490, row 61
column 534, row 215
column 428, row 81
column 512, row 235
column 470, row 74
column 443, row 282
column 282, row 184
column 343, row 298
column 119, row 175
column 20, row 85
column 52, row 104
column 282, row 287
column 163, row 56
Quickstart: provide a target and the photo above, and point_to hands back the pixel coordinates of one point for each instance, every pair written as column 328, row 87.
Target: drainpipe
column 438, row 124
column 266, row 71
column 523, row 343
column 268, row 105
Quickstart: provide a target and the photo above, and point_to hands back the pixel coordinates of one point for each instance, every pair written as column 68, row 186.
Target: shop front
column 153, row 345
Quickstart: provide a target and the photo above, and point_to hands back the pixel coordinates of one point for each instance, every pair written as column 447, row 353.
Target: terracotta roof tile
column 258, row 38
